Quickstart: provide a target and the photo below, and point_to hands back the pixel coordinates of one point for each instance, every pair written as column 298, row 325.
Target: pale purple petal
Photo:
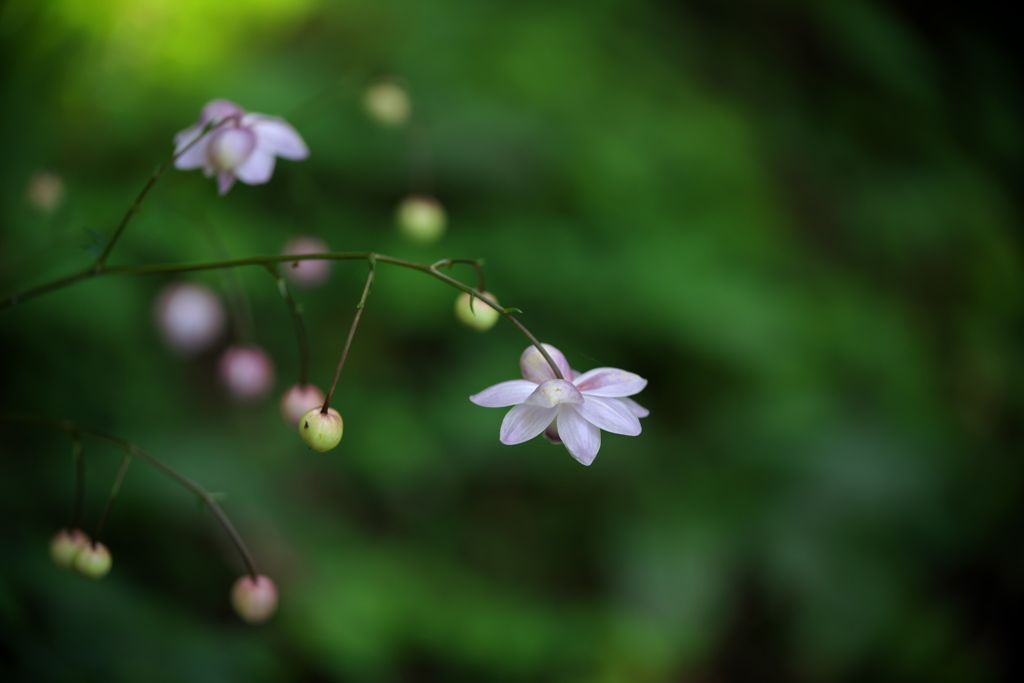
column 225, row 179
column 504, row 394
column 635, row 407
column 194, row 156
column 551, row 434
column 277, row 137
column 257, row 169
column 554, row 392
column 230, row 148
column 537, row 369
column 610, row 382
column 524, row 422
column 610, row 414
column 581, row 438
column 218, row 110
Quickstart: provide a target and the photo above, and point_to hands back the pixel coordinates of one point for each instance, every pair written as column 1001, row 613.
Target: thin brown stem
column 351, row 334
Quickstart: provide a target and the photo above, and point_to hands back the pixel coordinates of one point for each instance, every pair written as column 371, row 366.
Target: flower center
column 555, row 392
column 230, row 147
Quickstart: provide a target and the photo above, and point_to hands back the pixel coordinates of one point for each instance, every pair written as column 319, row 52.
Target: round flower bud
column 311, row 272
column 66, row 546
column 299, row 399
column 387, row 102
column 420, row 218
column 93, row 561
column 45, row 190
column 321, row 431
column 254, row 600
column 247, row 372
column 481, row 316
column 189, row 317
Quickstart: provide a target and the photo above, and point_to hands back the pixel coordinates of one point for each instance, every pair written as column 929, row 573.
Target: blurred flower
column 299, row 399
column 93, row 561
column 45, row 190
column 241, row 145
column 421, row 218
column 311, row 272
column 573, row 411
column 247, row 371
column 66, row 546
column 387, row 102
column 254, row 600
column 189, row 316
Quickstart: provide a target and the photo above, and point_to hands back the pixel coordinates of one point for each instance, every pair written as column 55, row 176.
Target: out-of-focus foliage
column 796, row 219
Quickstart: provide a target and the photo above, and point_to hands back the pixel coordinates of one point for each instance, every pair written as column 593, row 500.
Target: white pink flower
column 241, row 145
column 571, row 411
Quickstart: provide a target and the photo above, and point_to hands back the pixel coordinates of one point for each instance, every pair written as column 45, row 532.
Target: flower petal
column 554, row 392
column 504, row 394
column 581, row 438
column 194, row 156
column 277, row 137
column 635, row 407
column 218, row 110
column 537, row 369
column 610, row 382
column 225, row 179
column 610, row 414
column 229, row 148
column 524, row 422
column 257, row 169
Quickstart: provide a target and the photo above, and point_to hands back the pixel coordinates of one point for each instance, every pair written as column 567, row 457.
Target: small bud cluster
column 72, row 549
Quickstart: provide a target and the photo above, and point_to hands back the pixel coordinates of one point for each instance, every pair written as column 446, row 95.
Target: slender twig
column 351, row 334
column 133, row 450
column 281, row 258
column 125, row 462
column 300, row 327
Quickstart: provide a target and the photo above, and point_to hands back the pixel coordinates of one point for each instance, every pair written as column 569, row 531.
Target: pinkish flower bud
column 45, row 190
column 480, row 317
column 387, row 102
column 247, row 372
column 299, row 399
column 93, row 561
column 321, row 431
column 254, row 600
column 422, row 219
column 66, row 546
column 308, row 273
column 189, row 317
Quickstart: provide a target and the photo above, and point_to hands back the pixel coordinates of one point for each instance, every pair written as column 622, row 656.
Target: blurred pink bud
column 308, row 273
column 66, row 546
column 93, row 561
column 299, row 399
column 45, row 190
column 254, row 600
column 189, row 316
column 241, row 146
column 247, row 371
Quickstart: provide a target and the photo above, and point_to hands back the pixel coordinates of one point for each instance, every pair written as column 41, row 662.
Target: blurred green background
column 797, row 219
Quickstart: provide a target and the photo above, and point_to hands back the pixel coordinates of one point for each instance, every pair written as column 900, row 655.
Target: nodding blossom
column 570, row 411
column 240, row 145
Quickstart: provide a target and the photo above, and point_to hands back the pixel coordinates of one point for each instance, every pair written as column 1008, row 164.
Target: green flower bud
column 66, row 546
column 481, row 316
column 321, row 431
column 387, row 102
column 93, row 561
column 422, row 219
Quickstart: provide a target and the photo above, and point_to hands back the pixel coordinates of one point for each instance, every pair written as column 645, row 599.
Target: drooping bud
column 422, row 219
column 481, row 316
column 45, row 190
column 310, row 272
column 387, row 102
column 321, row 431
column 299, row 399
column 247, row 372
column 189, row 316
column 93, row 561
column 254, row 600
column 66, row 546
